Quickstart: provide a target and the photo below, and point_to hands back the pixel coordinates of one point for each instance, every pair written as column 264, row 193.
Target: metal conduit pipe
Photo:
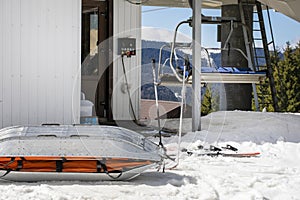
column 173, row 48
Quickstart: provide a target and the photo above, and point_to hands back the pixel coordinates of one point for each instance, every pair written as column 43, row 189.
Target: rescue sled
column 87, row 153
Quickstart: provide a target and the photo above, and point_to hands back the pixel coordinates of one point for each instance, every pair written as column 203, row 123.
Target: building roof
column 287, row 7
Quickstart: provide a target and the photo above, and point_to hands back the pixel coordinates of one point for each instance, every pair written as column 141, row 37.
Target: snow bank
column 273, row 175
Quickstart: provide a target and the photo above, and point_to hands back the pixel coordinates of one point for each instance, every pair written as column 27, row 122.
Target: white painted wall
column 39, row 62
column 127, row 23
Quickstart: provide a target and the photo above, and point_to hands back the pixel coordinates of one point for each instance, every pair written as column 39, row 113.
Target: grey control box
column 127, row 46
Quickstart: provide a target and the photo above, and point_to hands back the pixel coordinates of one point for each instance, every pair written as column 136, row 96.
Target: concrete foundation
column 238, row 96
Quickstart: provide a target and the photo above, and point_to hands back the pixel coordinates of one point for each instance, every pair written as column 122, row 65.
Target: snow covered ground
column 273, row 175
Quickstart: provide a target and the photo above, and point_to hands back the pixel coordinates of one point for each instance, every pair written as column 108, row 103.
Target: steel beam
column 196, row 98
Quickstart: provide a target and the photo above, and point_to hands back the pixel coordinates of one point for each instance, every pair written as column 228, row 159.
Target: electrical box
column 127, row 46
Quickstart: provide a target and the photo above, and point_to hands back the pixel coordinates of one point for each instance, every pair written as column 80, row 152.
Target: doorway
column 95, row 71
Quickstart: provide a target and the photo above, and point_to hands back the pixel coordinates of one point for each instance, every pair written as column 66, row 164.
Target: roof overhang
column 289, row 8
column 185, row 3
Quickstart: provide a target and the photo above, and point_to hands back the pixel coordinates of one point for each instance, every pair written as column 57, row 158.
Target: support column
column 238, row 96
column 196, row 112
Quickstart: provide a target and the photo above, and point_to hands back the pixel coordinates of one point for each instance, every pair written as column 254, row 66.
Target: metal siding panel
column 124, row 105
column 53, row 45
column 66, row 62
column 73, row 69
column 33, row 71
column 133, row 62
column 15, row 56
column 121, row 99
column 125, row 25
column 117, row 94
column 127, row 32
column 1, row 61
column 7, row 79
column 26, row 61
column 45, row 55
column 137, row 65
column 73, row 89
column 137, row 94
column 116, row 63
column 42, row 62
column 60, row 63
column 68, row 66
column 76, row 90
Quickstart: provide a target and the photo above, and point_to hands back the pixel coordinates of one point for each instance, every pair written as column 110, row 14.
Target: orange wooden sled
column 96, row 153
column 69, row 164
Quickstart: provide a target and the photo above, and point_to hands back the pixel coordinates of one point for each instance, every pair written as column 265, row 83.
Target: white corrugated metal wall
column 39, row 61
column 127, row 23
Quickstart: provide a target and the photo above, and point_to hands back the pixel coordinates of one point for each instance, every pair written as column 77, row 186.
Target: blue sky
column 284, row 28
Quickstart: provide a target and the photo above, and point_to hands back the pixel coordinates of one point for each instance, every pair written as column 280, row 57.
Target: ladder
column 258, row 53
column 249, row 50
column 262, row 54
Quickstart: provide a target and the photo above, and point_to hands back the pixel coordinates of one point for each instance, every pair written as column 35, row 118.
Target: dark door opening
column 95, row 72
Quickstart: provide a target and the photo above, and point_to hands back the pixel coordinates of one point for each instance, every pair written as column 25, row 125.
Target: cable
column 128, row 91
column 153, row 10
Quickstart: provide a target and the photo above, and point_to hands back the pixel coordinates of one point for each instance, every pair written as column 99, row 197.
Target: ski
column 228, row 151
column 241, row 155
column 225, row 154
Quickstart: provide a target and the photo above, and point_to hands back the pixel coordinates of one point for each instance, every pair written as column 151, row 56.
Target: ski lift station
column 65, row 61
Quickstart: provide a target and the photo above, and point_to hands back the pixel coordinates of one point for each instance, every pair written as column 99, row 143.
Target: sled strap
column 8, row 170
column 20, row 165
column 99, row 166
column 104, row 168
column 59, row 165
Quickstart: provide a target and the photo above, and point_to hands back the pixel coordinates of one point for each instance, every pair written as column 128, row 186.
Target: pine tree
column 287, row 78
column 263, row 88
column 211, row 99
column 206, row 107
column 215, row 92
column 264, row 96
column 287, row 81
